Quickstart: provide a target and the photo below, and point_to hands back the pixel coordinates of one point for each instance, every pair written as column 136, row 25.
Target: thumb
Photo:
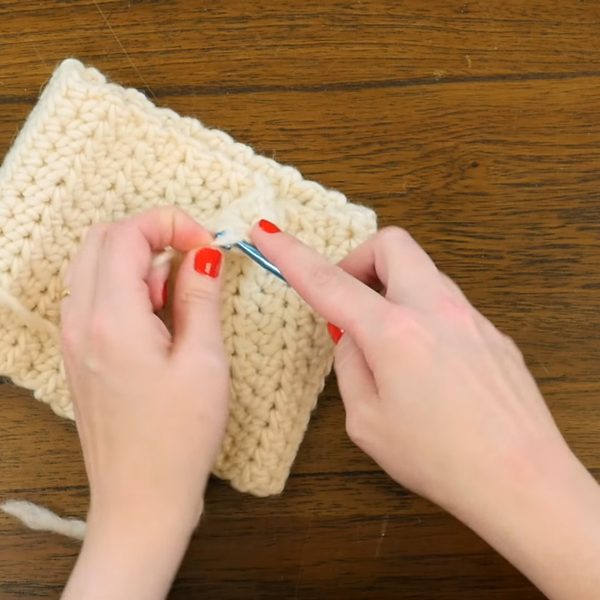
column 196, row 301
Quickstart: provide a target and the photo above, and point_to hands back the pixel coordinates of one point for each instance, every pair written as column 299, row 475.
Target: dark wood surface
column 475, row 125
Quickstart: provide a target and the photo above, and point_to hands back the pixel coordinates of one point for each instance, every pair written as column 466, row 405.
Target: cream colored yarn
column 93, row 151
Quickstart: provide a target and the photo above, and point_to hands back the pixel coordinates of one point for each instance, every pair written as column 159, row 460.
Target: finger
column 130, row 243
column 197, row 305
column 395, row 260
column 122, row 290
column 334, row 294
column 357, row 388
column 354, row 376
column 157, row 281
column 81, row 279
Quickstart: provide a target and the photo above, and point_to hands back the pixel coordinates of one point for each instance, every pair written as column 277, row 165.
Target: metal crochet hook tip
column 255, row 254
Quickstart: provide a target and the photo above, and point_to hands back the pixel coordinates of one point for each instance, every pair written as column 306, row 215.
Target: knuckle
column 404, row 332
column 97, row 231
column 114, row 230
column 168, row 213
column 452, row 287
column 323, row 276
column 394, row 235
column 213, row 362
column 166, row 216
column 112, row 234
column 354, row 427
column 193, row 296
column 452, row 304
column 456, row 309
column 400, row 323
column 512, row 347
column 218, row 366
column 69, row 338
column 102, row 329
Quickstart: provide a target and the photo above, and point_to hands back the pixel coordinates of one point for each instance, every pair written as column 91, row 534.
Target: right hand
column 433, row 392
column 445, row 404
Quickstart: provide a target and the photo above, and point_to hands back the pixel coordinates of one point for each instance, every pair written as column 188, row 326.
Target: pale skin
column 433, row 392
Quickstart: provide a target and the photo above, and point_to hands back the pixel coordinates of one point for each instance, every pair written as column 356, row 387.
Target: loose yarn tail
column 39, row 518
column 29, row 318
column 31, row 515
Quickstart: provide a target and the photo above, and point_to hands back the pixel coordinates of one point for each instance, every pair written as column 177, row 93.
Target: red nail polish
column 208, row 262
column 335, row 332
column 268, row 227
column 165, row 292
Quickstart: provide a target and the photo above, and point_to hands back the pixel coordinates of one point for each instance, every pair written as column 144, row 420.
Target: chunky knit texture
column 93, row 151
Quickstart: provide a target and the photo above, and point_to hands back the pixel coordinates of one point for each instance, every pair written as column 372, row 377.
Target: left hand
column 150, row 408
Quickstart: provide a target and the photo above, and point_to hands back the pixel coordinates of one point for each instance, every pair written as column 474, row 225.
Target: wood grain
column 472, row 124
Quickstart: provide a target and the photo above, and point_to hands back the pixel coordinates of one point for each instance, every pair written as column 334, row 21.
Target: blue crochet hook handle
column 255, row 254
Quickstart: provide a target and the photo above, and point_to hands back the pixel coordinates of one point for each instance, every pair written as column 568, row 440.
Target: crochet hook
column 255, row 254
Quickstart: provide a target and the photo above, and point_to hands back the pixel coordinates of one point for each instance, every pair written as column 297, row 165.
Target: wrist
column 134, row 505
column 150, row 521
column 543, row 515
column 129, row 554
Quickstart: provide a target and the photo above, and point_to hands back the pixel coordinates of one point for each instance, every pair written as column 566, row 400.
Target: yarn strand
column 39, row 518
column 28, row 317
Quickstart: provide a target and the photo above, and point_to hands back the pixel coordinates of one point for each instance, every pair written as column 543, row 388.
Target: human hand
column 150, row 408
column 432, row 390
column 444, row 403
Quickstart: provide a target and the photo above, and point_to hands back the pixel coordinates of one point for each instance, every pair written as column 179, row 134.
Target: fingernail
column 165, row 293
column 208, row 262
column 268, row 227
column 335, row 332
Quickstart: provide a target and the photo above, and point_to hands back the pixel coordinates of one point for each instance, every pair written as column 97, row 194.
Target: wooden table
column 475, row 125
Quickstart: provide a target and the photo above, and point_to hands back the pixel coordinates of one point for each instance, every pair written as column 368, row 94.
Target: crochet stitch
column 93, row 151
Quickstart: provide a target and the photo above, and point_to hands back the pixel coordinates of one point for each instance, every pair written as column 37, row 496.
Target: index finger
column 127, row 254
column 336, row 295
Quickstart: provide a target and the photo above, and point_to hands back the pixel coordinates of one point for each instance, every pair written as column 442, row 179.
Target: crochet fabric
column 93, row 151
